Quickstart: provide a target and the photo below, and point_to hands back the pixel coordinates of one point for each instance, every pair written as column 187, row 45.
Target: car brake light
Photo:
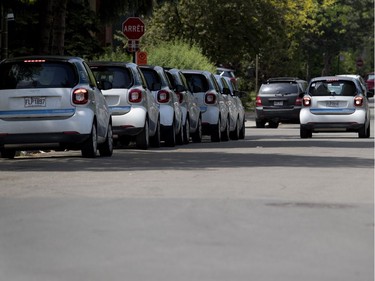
column 358, row 101
column 306, row 101
column 135, row 95
column 210, row 98
column 80, row 96
column 180, row 97
column 298, row 102
column 34, row 61
column 258, row 101
column 163, row 96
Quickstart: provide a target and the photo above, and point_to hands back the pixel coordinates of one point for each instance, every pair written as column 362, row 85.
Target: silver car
column 167, row 100
column 236, row 94
column 51, row 102
column 335, row 104
column 135, row 114
column 215, row 112
column 191, row 113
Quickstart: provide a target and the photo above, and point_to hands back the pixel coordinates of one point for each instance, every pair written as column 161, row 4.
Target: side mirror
column 301, row 94
column 370, row 94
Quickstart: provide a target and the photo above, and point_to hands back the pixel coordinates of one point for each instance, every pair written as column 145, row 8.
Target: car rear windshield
column 152, row 77
column 24, row 75
column 120, row 77
column 197, row 82
column 279, row 88
column 332, row 88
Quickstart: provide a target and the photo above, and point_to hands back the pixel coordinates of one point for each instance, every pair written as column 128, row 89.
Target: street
column 270, row 207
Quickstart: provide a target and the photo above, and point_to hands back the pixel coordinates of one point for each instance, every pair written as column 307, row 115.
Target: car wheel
column 90, row 146
column 242, row 131
column 364, row 132
column 225, row 133
column 305, row 133
column 187, row 131
column 106, row 148
column 155, row 139
column 142, row 139
column 273, row 124
column 170, row 136
column 235, row 135
column 216, row 132
column 197, row 135
column 260, row 123
column 8, row 153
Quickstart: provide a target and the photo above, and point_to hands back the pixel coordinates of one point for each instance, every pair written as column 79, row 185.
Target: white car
column 52, row 102
column 135, row 114
column 215, row 112
column 236, row 94
column 235, row 122
column 168, row 102
column 191, row 113
column 335, row 104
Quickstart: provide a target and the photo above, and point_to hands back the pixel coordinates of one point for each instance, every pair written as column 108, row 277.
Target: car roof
column 43, row 57
column 335, row 77
column 284, row 79
column 110, row 63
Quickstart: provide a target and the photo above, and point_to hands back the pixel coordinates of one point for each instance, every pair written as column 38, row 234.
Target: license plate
column 278, row 103
column 332, row 103
column 35, row 102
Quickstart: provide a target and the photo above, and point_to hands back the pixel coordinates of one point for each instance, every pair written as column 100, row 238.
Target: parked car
column 227, row 72
column 52, row 102
column 191, row 113
column 135, row 114
column 237, row 95
column 215, row 112
column 370, row 81
column 278, row 101
column 168, row 102
column 234, row 121
column 335, row 104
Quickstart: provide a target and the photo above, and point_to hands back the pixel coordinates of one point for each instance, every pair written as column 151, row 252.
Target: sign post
column 133, row 28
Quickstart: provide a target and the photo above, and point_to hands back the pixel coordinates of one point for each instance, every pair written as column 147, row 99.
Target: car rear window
column 278, row 88
column 24, row 75
column 332, row 88
column 152, row 77
column 197, row 82
column 120, row 77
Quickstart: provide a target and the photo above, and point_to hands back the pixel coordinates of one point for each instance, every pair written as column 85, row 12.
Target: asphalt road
column 270, row 207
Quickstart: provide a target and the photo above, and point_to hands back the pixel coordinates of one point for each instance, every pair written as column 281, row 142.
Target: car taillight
column 210, row 98
column 180, row 97
column 298, row 102
column 258, row 101
column 358, row 101
column 306, row 101
column 163, row 96
column 80, row 96
column 135, row 95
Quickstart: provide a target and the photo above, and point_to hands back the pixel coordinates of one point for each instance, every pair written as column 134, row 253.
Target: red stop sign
column 133, row 28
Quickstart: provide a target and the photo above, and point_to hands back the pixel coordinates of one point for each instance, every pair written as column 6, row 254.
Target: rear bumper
column 332, row 127
column 279, row 115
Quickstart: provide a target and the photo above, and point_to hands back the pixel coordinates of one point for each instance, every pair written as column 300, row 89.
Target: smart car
column 52, row 102
column 335, row 104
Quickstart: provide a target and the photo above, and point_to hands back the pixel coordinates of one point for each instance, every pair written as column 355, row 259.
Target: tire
column 235, row 135
column 242, row 130
column 225, row 133
column 305, row 133
column 187, row 131
column 216, row 132
column 364, row 132
column 155, row 139
column 170, row 136
column 197, row 135
column 273, row 124
column 90, row 146
column 106, row 148
column 8, row 153
column 142, row 140
column 260, row 123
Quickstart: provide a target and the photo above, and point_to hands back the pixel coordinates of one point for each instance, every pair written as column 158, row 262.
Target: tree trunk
column 59, row 28
column 327, row 69
column 45, row 26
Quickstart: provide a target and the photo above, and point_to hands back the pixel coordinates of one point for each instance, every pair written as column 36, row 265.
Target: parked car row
column 65, row 103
